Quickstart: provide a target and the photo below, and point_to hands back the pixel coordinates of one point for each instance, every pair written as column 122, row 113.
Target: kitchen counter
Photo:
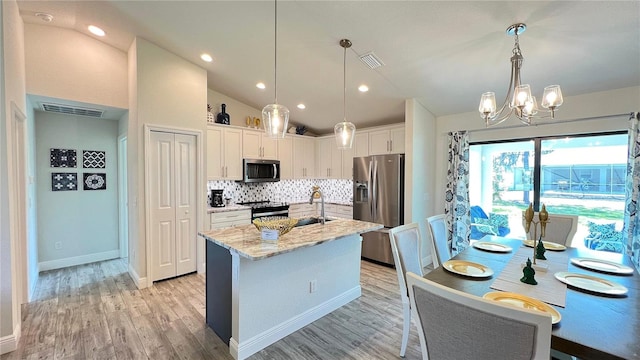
column 258, row 292
column 232, row 207
column 246, row 241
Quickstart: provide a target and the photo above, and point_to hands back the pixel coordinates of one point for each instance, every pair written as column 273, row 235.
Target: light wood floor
column 95, row 311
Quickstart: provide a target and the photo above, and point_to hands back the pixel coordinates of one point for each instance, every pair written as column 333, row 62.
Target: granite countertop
column 247, row 242
column 232, row 207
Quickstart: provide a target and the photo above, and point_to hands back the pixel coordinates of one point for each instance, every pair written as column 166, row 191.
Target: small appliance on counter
column 216, row 198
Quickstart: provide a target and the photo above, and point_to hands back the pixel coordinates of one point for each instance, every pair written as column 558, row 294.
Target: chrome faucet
column 321, row 204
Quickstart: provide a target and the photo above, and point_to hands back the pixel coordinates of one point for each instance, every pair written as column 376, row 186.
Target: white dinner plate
column 591, row 283
column 467, row 268
column 547, row 245
column 602, row 265
column 524, row 302
column 491, row 246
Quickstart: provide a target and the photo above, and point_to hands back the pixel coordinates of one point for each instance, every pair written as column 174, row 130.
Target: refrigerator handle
column 369, row 185
column 374, row 180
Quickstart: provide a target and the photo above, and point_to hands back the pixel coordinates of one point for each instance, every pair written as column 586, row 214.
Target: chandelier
column 519, row 100
column 344, row 131
column 275, row 117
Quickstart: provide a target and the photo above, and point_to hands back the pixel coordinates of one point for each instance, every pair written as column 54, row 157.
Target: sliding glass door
column 572, row 175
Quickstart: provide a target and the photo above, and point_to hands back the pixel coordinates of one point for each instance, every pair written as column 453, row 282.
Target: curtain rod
column 551, row 123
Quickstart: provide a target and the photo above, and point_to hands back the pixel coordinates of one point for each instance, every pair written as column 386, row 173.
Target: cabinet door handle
column 390, row 145
column 222, row 170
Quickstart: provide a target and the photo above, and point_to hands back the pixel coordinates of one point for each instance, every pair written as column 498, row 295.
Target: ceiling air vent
column 71, row 110
column 371, row 60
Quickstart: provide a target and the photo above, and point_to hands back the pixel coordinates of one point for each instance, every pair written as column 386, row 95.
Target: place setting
column 492, row 246
column 467, row 268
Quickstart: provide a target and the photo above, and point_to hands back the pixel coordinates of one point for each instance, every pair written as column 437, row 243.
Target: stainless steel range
column 267, row 208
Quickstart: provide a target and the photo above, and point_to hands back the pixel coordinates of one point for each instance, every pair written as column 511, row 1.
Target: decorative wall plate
column 63, row 158
column 93, row 159
column 95, row 181
column 64, row 181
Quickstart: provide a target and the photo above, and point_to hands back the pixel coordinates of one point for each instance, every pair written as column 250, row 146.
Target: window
column 572, row 175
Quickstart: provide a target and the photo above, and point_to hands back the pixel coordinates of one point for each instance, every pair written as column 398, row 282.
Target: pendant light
column 275, row 117
column 344, row 131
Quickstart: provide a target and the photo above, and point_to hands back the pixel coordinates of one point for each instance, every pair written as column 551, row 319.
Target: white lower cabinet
column 297, row 211
column 338, row 211
column 225, row 219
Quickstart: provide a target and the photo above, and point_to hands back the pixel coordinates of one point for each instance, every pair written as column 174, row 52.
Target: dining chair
column 406, row 244
column 560, row 229
column 440, row 251
column 455, row 325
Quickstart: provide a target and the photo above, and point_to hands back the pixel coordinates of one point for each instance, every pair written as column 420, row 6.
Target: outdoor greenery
column 581, row 210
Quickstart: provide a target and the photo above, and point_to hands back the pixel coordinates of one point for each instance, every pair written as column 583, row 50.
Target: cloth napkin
column 549, row 289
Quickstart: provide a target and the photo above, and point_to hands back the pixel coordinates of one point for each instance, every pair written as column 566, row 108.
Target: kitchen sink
column 309, row 221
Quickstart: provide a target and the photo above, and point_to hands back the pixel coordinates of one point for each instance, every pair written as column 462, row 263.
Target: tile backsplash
column 339, row 190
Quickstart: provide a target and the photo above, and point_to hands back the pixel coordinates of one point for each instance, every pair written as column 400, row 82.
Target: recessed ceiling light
column 96, row 30
column 261, row 86
column 44, row 17
column 363, row 88
column 206, row 57
column 301, row 106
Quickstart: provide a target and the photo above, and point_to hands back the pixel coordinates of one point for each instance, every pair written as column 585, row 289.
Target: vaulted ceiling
column 442, row 53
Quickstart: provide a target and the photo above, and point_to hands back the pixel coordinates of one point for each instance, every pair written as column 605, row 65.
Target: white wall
column 13, row 86
column 420, row 133
column 66, row 64
column 85, row 222
column 164, row 90
column 237, row 111
column 620, row 101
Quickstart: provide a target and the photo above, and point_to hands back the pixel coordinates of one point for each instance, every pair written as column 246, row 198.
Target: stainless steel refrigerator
column 378, row 196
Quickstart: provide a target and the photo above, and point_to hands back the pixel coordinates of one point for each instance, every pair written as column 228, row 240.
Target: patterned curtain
column 457, row 193
column 631, row 232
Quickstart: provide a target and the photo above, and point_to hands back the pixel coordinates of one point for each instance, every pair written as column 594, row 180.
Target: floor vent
column 71, row 110
column 371, row 60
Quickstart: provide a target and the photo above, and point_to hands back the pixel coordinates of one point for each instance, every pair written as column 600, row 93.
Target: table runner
column 549, row 289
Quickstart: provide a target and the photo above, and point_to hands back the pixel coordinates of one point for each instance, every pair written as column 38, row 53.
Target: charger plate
column 547, row 245
column 591, row 283
column 524, row 302
column 602, row 265
column 467, row 268
column 491, row 246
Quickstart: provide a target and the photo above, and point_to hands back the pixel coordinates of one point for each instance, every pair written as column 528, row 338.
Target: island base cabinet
column 218, row 291
column 274, row 297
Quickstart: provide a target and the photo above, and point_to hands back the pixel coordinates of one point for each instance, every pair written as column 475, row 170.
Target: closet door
column 172, row 172
column 185, row 195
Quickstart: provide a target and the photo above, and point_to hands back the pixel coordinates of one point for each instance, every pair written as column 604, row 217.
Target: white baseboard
column 78, row 260
column 9, row 343
column 268, row 337
column 141, row 282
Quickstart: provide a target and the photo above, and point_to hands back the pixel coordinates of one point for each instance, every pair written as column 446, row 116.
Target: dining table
column 593, row 325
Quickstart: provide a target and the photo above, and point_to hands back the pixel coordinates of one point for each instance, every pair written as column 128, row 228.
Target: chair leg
column 406, row 311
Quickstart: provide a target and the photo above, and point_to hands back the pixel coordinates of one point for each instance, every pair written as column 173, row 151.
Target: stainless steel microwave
column 256, row 170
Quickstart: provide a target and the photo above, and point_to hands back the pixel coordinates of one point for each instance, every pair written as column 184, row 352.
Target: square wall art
column 95, row 181
column 64, row 181
column 92, row 159
column 62, row 158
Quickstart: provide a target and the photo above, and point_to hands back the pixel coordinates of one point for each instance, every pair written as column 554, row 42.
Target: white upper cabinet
column 256, row 145
column 328, row 159
column 386, row 141
column 224, row 153
column 285, row 155
column 304, row 153
column 361, row 144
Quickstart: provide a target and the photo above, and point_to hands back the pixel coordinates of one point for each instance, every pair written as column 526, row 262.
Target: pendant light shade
column 344, row 131
column 275, row 117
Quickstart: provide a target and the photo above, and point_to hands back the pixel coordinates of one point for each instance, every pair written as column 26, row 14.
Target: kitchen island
column 261, row 291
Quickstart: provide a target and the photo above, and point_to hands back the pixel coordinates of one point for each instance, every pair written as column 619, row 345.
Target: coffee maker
column 216, row 198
